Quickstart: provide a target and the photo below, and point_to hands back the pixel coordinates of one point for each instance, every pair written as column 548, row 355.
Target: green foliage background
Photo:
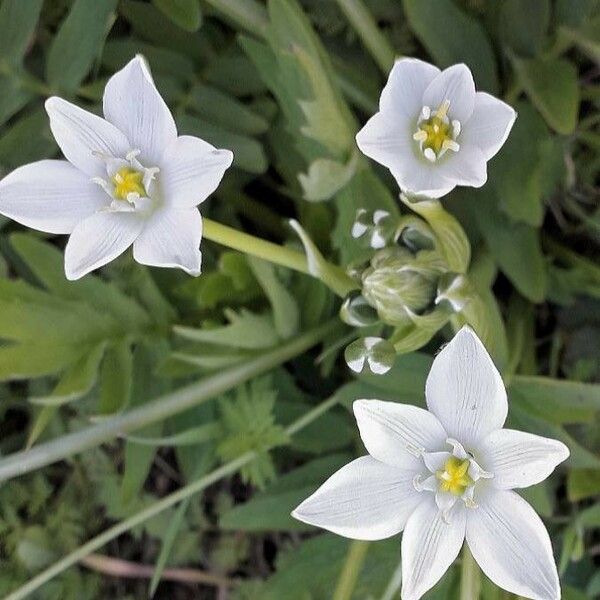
column 286, row 84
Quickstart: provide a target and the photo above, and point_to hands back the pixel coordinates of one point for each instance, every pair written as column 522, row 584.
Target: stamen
column 435, row 133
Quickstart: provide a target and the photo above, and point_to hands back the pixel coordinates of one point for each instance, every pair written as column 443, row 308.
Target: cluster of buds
column 408, row 287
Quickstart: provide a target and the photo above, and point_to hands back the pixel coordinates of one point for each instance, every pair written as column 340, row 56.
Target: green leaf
column 552, row 86
column 286, row 314
column 516, row 247
column 451, row 36
column 270, row 510
column 516, row 174
column 524, row 25
column 326, row 177
column 18, row 21
column 12, row 97
column 76, row 381
column 245, row 330
column 558, row 400
column 184, row 13
column 583, row 483
column 116, row 379
column 78, row 42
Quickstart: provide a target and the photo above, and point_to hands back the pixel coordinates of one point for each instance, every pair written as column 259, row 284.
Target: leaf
column 78, row 42
column 552, row 86
column 326, row 177
column 583, row 483
column 451, row 37
column 188, row 437
column 18, row 21
column 516, row 174
column 76, row 381
column 515, row 246
column 286, row 315
column 558, row 400
column 245, row 330
column 184, row 13
column 116, row 379
column 524, row 25
column 270, row 510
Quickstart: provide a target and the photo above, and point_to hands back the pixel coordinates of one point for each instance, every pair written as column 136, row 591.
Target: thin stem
column 151, row 511
column 366, row 27
column 332, row 275
column 161, row 408
column 470, row 577
column 116, row 567
column 351, row 570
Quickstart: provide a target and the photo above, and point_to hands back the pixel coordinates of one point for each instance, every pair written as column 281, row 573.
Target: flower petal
column 468, row 166
column 397, row 434
column 387, row 139
column 80, row 134
column 50, row 195
column 364, row 500
column 429, row 545
column 489, row 124
column 191, row 170
column 455, row 85
column 99, row 239
column 511, row 545
column 465, row 391
column 518, row 459
column 403, row 92
column 171, row 238
column 132, row 103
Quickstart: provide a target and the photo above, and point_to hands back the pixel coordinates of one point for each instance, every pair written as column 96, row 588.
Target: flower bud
column 399, row 284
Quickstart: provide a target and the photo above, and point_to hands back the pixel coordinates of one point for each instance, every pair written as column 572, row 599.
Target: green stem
column 366, row 27
column 470, row 580
column 160, row 409
column 351, row 570
column 332, row 276
column 151, row 511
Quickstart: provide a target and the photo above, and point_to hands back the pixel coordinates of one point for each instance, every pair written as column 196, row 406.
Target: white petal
column 466, row 167
column 364, row 500
column 397, row 434
column 429, row 546
column 511, row 545
column 465, row 391
column 134, row 105
column 50, row 195
column 171, row 238
column 191, row 170
column 80, row 134
column 489, row 124
column 455, row 85
column 436, row 461
column 99, row 239
column 403, row 92
column 518, row 459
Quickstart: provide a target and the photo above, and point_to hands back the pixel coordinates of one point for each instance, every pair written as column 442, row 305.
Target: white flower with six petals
column 128, row 179
column 446, row 475
column 433, row 131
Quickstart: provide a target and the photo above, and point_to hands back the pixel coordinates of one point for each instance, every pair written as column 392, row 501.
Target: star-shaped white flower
column 433, row 131
column 128, row 179
column 444, row 475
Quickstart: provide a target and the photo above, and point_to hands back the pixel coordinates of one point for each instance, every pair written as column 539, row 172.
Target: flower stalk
column 333, row 276
column 157, row 507
column 161, row 408
column 470, row 576
column 351, row 570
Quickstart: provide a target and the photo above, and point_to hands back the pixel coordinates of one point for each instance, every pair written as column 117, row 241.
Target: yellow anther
column 127, row 181
column 454, row 478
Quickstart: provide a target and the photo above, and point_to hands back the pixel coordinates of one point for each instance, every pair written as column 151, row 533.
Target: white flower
column 433, row 131
column 128, row 179
column 444, row 475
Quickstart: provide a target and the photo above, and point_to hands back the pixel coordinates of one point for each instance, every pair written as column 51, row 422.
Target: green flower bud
column 399, row 284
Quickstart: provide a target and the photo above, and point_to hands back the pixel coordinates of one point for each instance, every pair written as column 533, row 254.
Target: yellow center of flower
column 127, row 181
column 436, row 134
column 454, row 478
